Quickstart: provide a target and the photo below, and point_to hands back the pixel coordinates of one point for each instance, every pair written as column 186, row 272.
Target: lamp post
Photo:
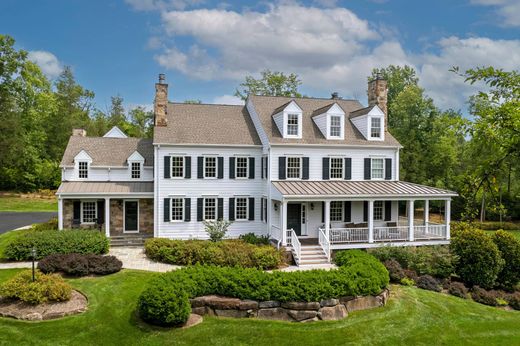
column 33, row 253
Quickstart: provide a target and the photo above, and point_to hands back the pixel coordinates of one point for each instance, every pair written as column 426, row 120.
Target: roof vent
column 162, row 78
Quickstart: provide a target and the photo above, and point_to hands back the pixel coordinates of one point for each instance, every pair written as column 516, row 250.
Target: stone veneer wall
column 68, row 213
column 145, row 216
column 327, row 310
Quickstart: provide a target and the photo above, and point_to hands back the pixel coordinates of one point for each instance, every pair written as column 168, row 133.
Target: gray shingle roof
column 264, row 106
column 207, row 124
column 106, row 151
column 360, row 112
column 99, row 187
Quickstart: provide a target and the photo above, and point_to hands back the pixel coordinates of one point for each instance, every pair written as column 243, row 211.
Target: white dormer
column 82, row 162
column 289, row 120
column 331, row 122
column 115, row 132
column 371, row 123
column 135, row 165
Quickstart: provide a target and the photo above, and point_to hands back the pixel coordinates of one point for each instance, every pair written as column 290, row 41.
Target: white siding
column 103, row 174
column 361, row 124
column 321, row 122
column 279, row 121
column 256, row 121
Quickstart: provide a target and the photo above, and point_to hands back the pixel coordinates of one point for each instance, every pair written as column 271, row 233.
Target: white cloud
column 509, row 10
column 48, row 62
column 152, row 5
column 228, row 100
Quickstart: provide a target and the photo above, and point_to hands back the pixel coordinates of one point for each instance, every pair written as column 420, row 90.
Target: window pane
column 293, row 167
column 83, row 169
column 336, row 168
column 241, row 167
column 375, row 128
column 210, row 167
column 378, row 210
column 336, row 211
column 292, row 124
column 241, row 209
column 136, row 170
column 210, row 209
column 377, row 168
column 335, row 126
column 89, row 212
column 177, row 163
column 177, row 209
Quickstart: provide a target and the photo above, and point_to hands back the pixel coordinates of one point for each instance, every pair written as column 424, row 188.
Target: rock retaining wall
column 327, row 310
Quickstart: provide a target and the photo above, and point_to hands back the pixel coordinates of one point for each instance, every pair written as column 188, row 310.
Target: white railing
column 433, row 231
column 348, row 235
column 398, row 233
column 288, row 236
column 276, row 234
column 296, row 245
column 324, row 242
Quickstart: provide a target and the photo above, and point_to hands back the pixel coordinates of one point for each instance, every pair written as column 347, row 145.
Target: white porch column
column 410, row 220
column 370, row 221
column 448, row 217
column 107, row 217
column 426, row 215
column 283, row 217
column 327, row 219
column 60, row 213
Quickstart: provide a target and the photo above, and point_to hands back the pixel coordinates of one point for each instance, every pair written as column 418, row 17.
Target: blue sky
column 207, row 47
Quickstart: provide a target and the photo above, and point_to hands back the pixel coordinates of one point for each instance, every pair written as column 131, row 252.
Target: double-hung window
column 210, row 167
column 241, row 167
column 177, row 212
column 292, row 125
column 375, row 127
column 378, row 210
column 378, row 169
column 83, row 169
column 336, row 211
column 336, row 168
column 88, row 212
column 177, row 166
column 294, row 168
column 241, row 208
column 136, row 170
column 335, row 126
column 210, row 208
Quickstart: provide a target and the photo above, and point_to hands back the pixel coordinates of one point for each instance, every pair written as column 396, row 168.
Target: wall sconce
column 276, row 207
column 312, row 206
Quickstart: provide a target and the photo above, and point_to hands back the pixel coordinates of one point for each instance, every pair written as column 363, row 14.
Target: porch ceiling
column 358, row 189
column 109, row 188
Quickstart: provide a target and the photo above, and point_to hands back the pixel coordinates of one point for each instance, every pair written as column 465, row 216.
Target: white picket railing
column 435, row 231
column 324, row 242
column 296, row 245
column 349, row 235
column 288, row 237
column 276, row 234
column 398, row 233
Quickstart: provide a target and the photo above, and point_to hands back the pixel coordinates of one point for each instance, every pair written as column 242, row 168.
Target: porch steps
column 311, row 255
column 129, row 240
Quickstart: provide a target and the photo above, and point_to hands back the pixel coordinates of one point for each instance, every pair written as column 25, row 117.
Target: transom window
column 177, row 209
column 336, row 211
column 336, row 168
column 335, row 126
column 210, row 208
column 241, row 167
column 294, row 167
column 378, row 210
column 88, row 212
column 136, row 170
column 375, row 127
column 378, row 170
column 292, row 124
column 210, row 167
column 83, row 169
column 241, row 209
column 177, row 164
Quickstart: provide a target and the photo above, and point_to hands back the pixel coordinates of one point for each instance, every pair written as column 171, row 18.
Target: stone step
column 306, row 262
column 314, row 257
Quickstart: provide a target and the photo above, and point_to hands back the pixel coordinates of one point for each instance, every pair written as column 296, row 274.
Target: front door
column 294, row 217
column 131, row 217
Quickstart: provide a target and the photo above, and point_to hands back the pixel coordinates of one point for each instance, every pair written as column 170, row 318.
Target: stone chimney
column 79, row 132
column 160, row 106
column 378, row 94
column 335, row 96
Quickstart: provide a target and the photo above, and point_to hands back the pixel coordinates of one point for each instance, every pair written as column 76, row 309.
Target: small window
column 83, row 169
column 177, row 164
column 375, row 128
column 210, row 208
column 294, row 167
column 336, row 211
column 241, row 207
column 336, row 168
column 335, row 126
column 378, row 210
column 88, row 212
column 241, row 168
column 136, row 170
column 177, row 209
column 292, row 125
column 210, row 167
column 378, row 170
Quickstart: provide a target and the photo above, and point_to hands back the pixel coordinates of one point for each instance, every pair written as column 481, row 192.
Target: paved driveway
column 13, row 220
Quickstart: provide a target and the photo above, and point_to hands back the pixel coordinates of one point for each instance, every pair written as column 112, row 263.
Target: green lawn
column 10, row 203
column 515, row 233
column 413, row 316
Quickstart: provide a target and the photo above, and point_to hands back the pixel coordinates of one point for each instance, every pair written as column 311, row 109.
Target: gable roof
column 115, row 132
column 206, row 124
column 311, row 134
column 107, row 151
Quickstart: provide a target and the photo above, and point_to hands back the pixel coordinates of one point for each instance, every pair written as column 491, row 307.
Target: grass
column 16, row 203
column 413, row 316
column 516, row 234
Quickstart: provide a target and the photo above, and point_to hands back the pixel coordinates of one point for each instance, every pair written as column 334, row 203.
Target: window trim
column 204, row 208
column 298, row 125
column 380, row 137
column 247, row 167
column 300, row 167
column 216, row 166
column 247, row 208
column 95, row 209
column 342, row 207
column 382, row 211
column 342, row 159
column 87, row 169
column 340, row 135
column 183, row 209
column 183, row 166
column 132, row 169
column 372, row 168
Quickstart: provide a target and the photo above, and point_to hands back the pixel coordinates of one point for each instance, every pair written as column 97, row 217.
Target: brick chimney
column 79, row 132
column 160, row 106
column 378, row 94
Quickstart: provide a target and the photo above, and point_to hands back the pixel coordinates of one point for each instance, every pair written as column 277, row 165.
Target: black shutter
column 220, row 167
column 220, row 209
column 187, row 167
column 251, row 168
column 305, row 173
column 265, row 211
column 166, row 210
column 266, row 167
column 251, row 209
column 365, row 211
column 388, row 169
column 348, row 168
column 325, row 172
column 187, row 209
column 347, row 211
column 100, row 212
column 231, row 168
column 322, row 211
column 388, row 210
column 231, row 209
column 281, row 167
column 77, row 210
column 200, row 202
column 200, row 168
column 368, row 174
column 167, row 167
column 262, row 209
column 262, row 167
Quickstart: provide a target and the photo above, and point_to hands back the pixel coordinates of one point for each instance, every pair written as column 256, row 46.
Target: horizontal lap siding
column 101, row 174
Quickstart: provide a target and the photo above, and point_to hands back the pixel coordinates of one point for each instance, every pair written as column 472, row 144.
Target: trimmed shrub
column 458, row 289
column 80, row 265
column 52, row 242
column 254, row 239
column 428, row 282
column 514, row 300
column 509, row 248
column 223, row 253
column 485, row 297
column 394, row 270
column 493, row 226
column 103, row 265
column 165, row 300
column 52, row 224
column 46, row 287
column 478, row 259
column 407, row 282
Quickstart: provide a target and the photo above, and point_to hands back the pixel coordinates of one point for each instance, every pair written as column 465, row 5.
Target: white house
column 314, row 174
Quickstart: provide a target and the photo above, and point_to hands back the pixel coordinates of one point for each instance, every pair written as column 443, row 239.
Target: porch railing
column 386, row 234
column 349, row 235
column 296, row 245
column 276, row 234
column 433, row 231
column 324, row 242
column 288, row 237
column 391, row 233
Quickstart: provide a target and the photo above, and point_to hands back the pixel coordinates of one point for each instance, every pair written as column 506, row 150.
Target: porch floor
column 308, row 241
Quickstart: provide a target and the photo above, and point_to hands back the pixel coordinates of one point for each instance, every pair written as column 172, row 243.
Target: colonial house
column 314, row 174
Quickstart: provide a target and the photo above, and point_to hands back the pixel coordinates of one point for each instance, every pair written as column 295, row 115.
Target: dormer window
column 335, row 126
column 136, row 170
column 375, row 127
column 83, row 169
column 292, row 125
column 288, row 120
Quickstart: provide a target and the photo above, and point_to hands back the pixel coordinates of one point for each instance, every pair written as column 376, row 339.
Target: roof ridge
column 306, row 98
column 204, row 104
